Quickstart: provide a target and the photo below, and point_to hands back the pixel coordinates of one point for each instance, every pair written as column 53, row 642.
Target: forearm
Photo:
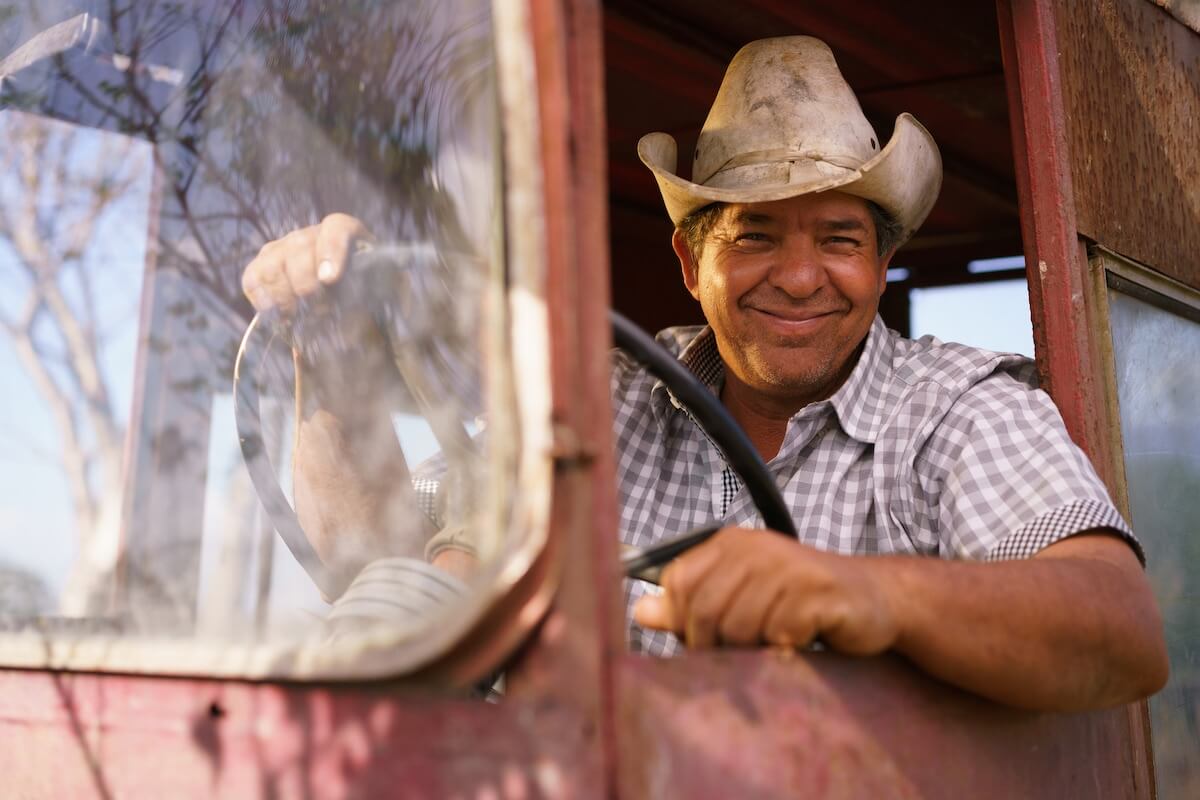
column 1050, row 633
column 353, row 489
column 1075, row 627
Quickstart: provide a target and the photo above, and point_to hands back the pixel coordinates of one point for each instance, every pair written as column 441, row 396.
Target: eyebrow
column 847, row 224
column 751, row 217
column 759, row 218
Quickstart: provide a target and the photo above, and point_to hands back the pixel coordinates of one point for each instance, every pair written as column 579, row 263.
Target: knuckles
column 815, row 586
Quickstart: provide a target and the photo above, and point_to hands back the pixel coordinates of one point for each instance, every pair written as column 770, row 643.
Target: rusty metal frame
column 511, row 593
column 81, row 735
column 1069, row 352
column 582, row 717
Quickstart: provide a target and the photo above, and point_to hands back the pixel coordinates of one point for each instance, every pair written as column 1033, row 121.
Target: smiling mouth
column 795, row 316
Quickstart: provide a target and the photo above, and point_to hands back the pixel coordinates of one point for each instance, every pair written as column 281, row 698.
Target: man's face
column 790, row 288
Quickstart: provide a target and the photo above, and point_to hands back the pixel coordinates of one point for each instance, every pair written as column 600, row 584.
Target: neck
column 764, row 416
column 764, row 419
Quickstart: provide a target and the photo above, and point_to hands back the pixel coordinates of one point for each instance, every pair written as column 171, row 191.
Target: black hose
column 707, row 410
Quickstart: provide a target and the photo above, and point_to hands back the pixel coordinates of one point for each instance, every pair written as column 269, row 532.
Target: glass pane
column 151, row 150
column 993, row 315
column 1158, row 383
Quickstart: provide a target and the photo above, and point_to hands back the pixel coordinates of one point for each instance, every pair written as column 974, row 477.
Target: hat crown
column 782, row 99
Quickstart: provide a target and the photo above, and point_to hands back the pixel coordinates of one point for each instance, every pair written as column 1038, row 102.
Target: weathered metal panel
column 78, row 736
column 821, row 726
column 1071, row 361
column 82, row 735
column 1131, row 92
column 569, row 657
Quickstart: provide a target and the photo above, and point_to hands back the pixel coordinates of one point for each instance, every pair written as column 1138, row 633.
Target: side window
column 1155, row 328
column 151, row 150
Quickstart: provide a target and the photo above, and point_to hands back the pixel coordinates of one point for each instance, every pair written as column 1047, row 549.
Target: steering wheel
column 406, row 292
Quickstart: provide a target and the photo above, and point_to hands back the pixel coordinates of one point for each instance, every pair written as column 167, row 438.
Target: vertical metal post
column 1065, row 323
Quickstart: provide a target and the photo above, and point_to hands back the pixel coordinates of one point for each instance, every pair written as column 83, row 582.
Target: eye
column 843, row 241
column 750, row 240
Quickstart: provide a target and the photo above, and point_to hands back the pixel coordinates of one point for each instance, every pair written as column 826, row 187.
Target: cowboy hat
column 786, row 123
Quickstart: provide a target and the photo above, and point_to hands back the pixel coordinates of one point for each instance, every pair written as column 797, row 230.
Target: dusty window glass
column 151, row 151
column 1158, row 382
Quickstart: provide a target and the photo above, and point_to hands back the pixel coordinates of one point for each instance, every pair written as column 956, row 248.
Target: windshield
column 152, row 151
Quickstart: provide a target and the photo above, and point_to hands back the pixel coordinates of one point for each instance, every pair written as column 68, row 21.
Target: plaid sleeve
column 1013, row 481
column 427, row 480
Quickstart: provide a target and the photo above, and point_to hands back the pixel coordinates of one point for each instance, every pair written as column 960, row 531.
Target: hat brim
column 904, row 178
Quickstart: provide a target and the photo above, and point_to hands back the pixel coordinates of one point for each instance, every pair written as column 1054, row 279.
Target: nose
column 798, row 269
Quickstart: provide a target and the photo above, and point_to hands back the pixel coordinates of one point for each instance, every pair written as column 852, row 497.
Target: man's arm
column 1076, row 627
column 354, row 496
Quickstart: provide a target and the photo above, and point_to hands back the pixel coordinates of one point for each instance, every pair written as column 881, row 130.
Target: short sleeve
column 1010, row 480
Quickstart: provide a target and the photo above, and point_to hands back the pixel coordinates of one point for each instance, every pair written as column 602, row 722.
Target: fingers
column 265, row 280
column 791, row 621
column 303, row 261
column 749, row 587
column 685, row 574
column 654, row 611
column 336, row 235
column 697, row 577
column 743, row 621
column 300, row 266
column 711, row 602
column 664, row 612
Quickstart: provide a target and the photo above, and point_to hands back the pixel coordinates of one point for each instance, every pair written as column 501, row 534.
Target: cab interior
column 664, row 62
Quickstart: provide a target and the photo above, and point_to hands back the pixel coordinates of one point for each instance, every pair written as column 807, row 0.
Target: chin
column 797, row 381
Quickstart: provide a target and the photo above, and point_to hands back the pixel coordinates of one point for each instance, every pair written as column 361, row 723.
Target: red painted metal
column 1070, row 362
column 78, row 736
column 746, row 725
column 570, row 657
column 1131, row 91
column 583, row 719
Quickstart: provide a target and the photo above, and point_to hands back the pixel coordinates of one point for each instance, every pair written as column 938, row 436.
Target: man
column 887, row 450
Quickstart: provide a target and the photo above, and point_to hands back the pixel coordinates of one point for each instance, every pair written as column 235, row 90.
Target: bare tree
column 60, row 182
column 262, row 116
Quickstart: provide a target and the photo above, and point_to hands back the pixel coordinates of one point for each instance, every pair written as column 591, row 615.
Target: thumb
column 655, row 612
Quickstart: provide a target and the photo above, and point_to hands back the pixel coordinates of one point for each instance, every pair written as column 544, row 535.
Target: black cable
column 707, row 410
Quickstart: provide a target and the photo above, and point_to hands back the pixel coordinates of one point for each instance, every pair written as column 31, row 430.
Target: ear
column 686, row 263
column 884, row 263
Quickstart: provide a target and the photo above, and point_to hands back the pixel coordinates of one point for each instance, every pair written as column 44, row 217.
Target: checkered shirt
column 928, row 448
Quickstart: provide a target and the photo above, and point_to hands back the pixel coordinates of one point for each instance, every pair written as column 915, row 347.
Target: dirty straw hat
column 786, row 123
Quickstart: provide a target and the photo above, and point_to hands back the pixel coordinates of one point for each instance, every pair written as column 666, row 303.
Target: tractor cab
column 171, row 621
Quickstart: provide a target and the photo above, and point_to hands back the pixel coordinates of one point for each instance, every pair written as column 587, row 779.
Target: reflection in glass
column 1158, row 383
column 73, row 220
column 152, row 148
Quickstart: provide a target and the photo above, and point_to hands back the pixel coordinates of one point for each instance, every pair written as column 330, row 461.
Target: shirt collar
column 860, row 403
column 699, row 355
